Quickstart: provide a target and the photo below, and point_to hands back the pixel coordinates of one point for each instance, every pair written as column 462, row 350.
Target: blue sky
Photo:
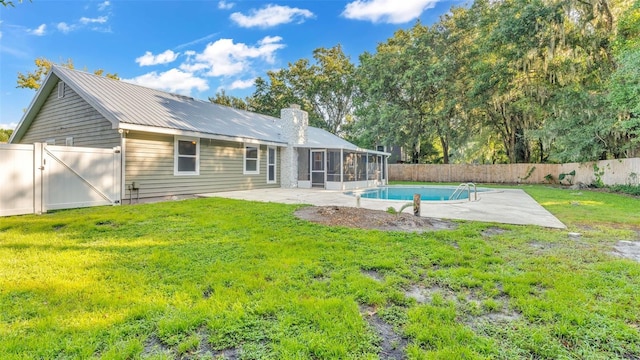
column 191, row 47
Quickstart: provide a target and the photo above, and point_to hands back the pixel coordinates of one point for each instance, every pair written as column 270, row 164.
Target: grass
column 207, row 277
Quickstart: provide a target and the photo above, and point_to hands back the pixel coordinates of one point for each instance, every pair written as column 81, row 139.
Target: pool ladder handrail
column 462, row 187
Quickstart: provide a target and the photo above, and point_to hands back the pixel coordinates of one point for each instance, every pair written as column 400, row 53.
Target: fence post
column 38, row 175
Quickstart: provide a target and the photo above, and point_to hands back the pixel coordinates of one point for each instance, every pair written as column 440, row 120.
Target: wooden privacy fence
column 38, row 177
column 609, row 172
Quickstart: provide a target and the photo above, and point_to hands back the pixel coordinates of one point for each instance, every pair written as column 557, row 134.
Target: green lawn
column 213, row 277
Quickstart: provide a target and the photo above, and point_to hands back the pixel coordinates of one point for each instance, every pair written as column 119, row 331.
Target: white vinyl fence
column 38, row 177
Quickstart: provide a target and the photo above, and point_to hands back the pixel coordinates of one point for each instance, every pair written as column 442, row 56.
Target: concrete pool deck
column 507, row 206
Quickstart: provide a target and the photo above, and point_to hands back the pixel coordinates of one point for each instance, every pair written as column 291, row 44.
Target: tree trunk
column 445, row 150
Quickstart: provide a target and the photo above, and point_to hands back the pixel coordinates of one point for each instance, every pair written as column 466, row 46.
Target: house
column 177, row 145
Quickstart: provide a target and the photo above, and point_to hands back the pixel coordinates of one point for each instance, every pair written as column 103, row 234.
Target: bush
column 626, row 189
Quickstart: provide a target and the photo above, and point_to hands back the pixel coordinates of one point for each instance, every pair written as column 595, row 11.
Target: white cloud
column 387, row 11
column 193, row 42
column 164, row 58
column 271, row 15
column 10, row 126
column 104, row 5
column 226, row 58
column 223, row 5
column 65, row 28
column 98, row 20
column 39, row 31
column 94, row 24
column 174, row 81
column 242, row 84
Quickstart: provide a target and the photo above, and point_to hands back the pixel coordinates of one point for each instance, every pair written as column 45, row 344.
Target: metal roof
column 130, row 106
column 125, row 103
column 320, row 138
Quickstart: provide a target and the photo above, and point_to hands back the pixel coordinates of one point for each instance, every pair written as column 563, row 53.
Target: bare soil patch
column 371, row 219
column 628, row 249
column 493, row 231
column 392, row 345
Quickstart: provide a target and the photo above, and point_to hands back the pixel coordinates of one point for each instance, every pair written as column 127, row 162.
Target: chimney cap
column 294, row 106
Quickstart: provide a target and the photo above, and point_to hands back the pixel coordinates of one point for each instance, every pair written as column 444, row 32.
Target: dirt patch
column 154, row 347
column 425, row 295
column 542, row 245
column 208, row 291
column 628, row 250
column 392, row 345
column 418, row 293
column 373, row 274
column 493, row 231
column 371, row 219
column 227, row 354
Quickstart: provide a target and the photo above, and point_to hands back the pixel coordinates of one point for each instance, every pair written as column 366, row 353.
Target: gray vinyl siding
column 150, row 163
column 71, row 116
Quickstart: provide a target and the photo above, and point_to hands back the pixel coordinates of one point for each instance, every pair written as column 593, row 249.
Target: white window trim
column 244, row 160
column 275, row 165
column 175, row 156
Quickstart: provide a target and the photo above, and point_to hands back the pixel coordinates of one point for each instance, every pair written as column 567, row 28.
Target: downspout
column 123, row 160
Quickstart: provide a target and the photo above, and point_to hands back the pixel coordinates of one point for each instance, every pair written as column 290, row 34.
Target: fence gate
column 39, row 177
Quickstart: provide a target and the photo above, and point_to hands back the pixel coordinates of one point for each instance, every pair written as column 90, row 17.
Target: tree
column 325, row 89
column 221, row 98
column 33, row 80
column 7, row 3
column 404, row 98
column 5, row 135
column 624, row 84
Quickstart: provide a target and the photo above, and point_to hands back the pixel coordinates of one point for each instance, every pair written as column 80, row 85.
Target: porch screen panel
column 303, row 165
column 372, row 167
column 361, row 167
column 349, row 166
column 333, row 165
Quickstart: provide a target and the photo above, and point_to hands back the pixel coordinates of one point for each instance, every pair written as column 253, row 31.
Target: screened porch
column 341, row 169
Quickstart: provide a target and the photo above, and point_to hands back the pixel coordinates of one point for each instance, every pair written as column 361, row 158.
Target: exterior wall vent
column 60, row 90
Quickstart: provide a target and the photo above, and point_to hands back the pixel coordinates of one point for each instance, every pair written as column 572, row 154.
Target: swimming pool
column 427, row 193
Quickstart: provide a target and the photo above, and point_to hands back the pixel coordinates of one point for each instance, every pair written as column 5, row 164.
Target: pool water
column 427, row 193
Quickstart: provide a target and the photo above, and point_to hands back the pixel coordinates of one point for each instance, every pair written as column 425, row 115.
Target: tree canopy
column 492, row 82
column 33, row 79
column 5, row 134
column 324, row 88
column 508, row 81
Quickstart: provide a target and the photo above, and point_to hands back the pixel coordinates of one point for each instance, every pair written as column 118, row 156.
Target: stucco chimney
column 294, row 131
column 294, row 124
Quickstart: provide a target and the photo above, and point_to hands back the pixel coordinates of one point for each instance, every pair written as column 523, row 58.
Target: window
column 51, row 141
column 271, row 165
column 187, row 156
column 69, row 141
column 60, row 90
column 251, row 163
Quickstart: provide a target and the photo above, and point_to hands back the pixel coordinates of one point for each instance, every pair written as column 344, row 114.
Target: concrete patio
column 509, row 206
